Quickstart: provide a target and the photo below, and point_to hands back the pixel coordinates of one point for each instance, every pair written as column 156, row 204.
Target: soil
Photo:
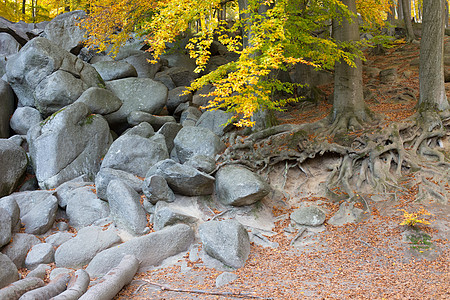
column 376, row 258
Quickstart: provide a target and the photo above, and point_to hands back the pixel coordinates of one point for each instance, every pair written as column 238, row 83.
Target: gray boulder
column 215, row 121
column 106, row 175
column 126, row 209
column 9, row 205
column 144, row 68
column 176, row 97
column 137, row 117
column 225, row 278
column 40, row 254
column 5, row 227
column 167, row 81
column 9, row 272
column 13, row 163
column 150, row 249
column 179, row 75
column 66, row 191
column 7, row 108
column 112, row 70
column 79, row 251
column 64, row 31
column 24, row 118
column 17, row 250
column 37, row 210
column 8, row 44
column 100, row 101
column 142, row 129
column 189, row 116
column 137, row 94
column 155, row 188
column 70, row 143
column 168, row 216
column 28, row 73
column 170, row 131
column 226, row 241
column 183, row 180
column 192, row 141
column 134, row 154
column 84, row 207
column 248, row 189
column 58, row 238
column 203, row 163
column 309, row 216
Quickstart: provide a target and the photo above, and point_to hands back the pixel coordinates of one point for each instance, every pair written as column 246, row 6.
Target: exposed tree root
column 375, row 158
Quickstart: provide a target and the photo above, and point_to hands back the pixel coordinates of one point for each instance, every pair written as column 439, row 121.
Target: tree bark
column 348, row 85
column 406, row 4
column 431, row 67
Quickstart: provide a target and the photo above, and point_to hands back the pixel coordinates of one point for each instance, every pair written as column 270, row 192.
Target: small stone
column 309, row 216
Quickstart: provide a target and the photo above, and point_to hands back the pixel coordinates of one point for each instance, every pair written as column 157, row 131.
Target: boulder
column 191, row 141
column 179, row 75
column 190, row 116
column 137, row 94
column 215, row 120
column 58, row 238
column 308, row 216
column 15, row 30
column 203, row 163
column 17, row 250
column 249, row 189
column 64, row 31
column 84, row 207
column 70, row 143
column 40, row 254
column 168, row 216
column 170, row 131
column 24, row 118
column 134, row 154
column 66, row 191
column 144, row 68
column 28, row 73
column 225, row 278
column 8, row 44
column 37, row 210
column 13, row 163
column 177, row 96
column 6, row 108
column 100, row 101
column 9, row 272
column 150, row 249
column 226, row 241
column 142, row 129
column 106, row 175
column 5, row 227
column 183, row 180
column 167, row 81
column 126, row 209
column 9, row 205
column 79, row 251
column 155, row 188
column 137, row 117
column 112, row 70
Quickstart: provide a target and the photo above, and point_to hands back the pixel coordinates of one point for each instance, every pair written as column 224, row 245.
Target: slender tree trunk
column 431, row 68
column 406, row 4
column 23, row 6
column 400, row 10
column 348, row 85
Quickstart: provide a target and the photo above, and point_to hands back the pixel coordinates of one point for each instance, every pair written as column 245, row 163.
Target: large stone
column 70, row 143
column 248, row 189
column 191, row 141
column 203, row 163
column 137, row 117
column 9, row 204
column 155, row 188
column 144, row 68
column 226, row 241
column 100, row 101
column 6, row 108
column 137, row 94
column 28, row 73
column 309, row 216
column 37, row 210
column 134, row 154
column 64, row 31
column 5, row 227
column 40, row 254
column 126, row 209
column 58, row 238
column 9, row 272
column 13, row 163
column 112, row 70
column 150, row 249
column 79, row 251
column 8, row 44
column 17, row 250
column 170, row 131
column 182, row 179
column 176, row 97
column 106, row 175
column 84, row 207
column 168, row 216
column 180, row 76
column 215, row 120
column 24, row 118
column 66, row 191
column 15, row 29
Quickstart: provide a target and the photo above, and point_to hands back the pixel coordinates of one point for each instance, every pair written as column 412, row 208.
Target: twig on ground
column 220, row 214
column 228, row 294
column 299, row 234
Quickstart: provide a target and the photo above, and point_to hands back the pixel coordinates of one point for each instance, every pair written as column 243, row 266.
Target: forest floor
column 374, row 259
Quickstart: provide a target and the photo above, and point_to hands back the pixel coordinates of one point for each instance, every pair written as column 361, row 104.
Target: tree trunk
column 431, row 68
column 406, row 4
column 400, row 10
column 348, row 85
column 23, row 6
